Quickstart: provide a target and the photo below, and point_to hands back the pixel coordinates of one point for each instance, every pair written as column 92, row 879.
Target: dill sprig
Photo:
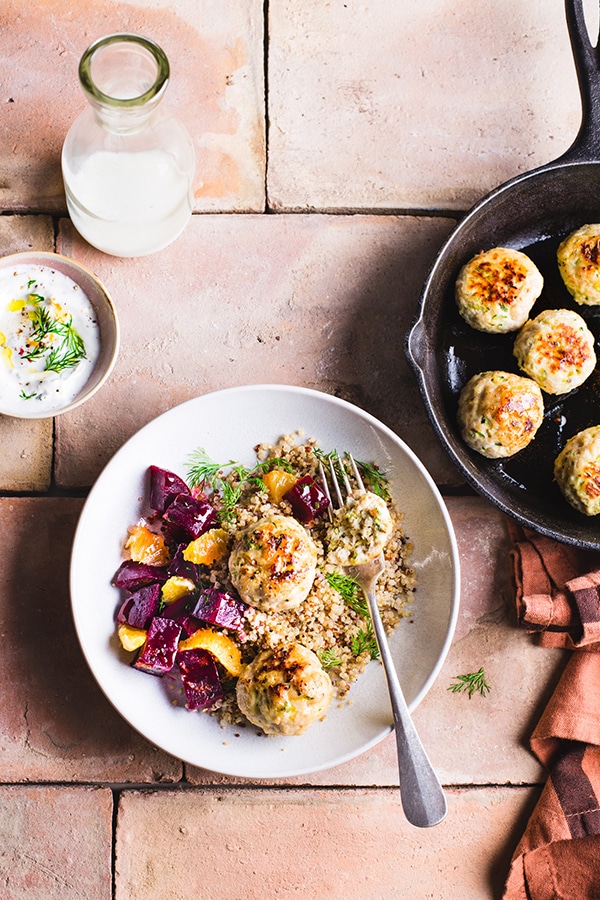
column 471, row 683
column 275, row 462
column 375, row 479
column 329, row 658
column 203, row 472
column 350, row 591
column 365, row 640
column 69, row 352
column 61, row 354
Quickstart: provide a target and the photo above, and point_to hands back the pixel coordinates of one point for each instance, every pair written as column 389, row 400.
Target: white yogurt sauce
column 49, row 339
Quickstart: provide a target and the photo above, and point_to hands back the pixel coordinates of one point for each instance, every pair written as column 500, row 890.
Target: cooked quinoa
column 324, row 622
column 258, row 545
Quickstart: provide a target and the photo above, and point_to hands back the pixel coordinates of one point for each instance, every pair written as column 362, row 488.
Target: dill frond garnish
column 57, row 342
column 471, row 683
column 352, row 595
column 226, row 480
column 202, row 470
column 329, row 658
column 365, row 640
column 349, row 590
column 375, row 480
column 69, row 352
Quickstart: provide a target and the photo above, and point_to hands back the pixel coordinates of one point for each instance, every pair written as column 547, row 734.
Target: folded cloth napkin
column 557, row 595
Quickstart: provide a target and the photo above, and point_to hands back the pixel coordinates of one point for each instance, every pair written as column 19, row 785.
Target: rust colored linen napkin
column 557, row 595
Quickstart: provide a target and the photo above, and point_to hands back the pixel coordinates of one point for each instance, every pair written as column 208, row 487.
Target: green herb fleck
column 329, row 658
column 365, row 640
column 25, row 396
column 472, row 682
column 349, row 589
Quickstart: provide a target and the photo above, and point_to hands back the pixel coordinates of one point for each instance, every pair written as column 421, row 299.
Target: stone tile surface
column 55, row 724
column 402, row 115
column 316, row 301
column 392, row 105
column 216, row 88
column 55, row 843
column 26, row 461
column 310, row 843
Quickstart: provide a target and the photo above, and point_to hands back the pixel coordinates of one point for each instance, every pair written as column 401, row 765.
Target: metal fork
column 423, row 799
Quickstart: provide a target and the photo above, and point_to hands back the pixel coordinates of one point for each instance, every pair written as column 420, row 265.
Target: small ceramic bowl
column 26, row 403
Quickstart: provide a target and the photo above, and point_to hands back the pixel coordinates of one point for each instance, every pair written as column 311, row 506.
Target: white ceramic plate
column 229, row 424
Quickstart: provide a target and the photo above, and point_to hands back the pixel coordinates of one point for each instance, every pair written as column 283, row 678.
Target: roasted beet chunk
column 181, row 567
column 189, row 516
column 219, row 608
column 180, row 612
column 307, row 499
column 134, row 575
column 164, row 487
column 157, row 656
column 140, row 607
column 200, row 679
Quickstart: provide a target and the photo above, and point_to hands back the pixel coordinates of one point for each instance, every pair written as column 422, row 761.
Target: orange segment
column 278, row 482
column 147, row 547
column 176, row 587
column 219, row 645
column 208, row 548
column 131, row 638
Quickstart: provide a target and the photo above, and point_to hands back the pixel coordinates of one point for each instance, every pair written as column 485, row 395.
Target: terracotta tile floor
column 336, row 146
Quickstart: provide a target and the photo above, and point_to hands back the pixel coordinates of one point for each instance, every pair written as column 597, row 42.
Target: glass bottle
column 128, row 166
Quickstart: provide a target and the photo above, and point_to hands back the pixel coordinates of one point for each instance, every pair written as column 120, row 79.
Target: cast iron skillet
column 532, row 212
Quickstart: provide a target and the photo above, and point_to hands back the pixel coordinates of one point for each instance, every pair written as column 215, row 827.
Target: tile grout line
column 116, row 795
column 266, row 99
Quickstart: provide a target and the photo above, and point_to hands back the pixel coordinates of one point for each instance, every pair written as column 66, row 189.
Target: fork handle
column 423, row 799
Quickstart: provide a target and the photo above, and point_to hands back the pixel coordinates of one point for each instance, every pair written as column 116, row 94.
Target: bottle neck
column 124, row 78
column 123, row 121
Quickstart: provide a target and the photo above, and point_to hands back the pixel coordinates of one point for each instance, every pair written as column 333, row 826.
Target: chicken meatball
column 579, row 264
column 496, row 290
column 360, row 530
column 577, row 471
column 556, row 349
column 272, row 564
column 499, row 413
column 284, row 690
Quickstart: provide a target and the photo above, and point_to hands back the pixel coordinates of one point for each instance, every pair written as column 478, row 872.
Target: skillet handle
column 586, row 146
column 415, row 346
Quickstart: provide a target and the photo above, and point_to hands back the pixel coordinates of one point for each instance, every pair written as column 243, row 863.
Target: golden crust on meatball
column 577, row 471
column 284, row 690
column 579, row 264
column 499, row 413
column 496, row 290
column 556, row 349
column 273, row 563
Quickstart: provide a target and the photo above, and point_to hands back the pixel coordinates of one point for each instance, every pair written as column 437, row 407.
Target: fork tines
column 334, row 478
